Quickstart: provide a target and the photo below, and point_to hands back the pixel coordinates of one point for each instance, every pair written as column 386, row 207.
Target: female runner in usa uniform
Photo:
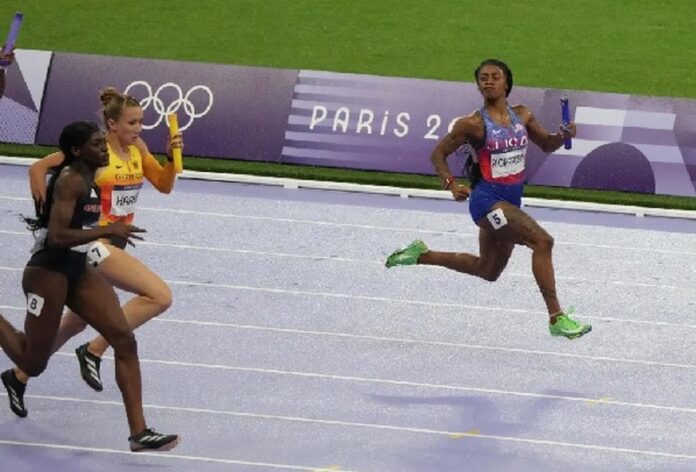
column 499, row 133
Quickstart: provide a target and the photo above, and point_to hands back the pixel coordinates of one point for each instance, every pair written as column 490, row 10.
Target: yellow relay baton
column 176, row 152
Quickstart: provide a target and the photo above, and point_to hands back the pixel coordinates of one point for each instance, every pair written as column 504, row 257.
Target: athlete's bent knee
column 73, row 323
column 162, row 298
column 544, row 243
column 491, row 276
column 124, row 344
column 34, row 368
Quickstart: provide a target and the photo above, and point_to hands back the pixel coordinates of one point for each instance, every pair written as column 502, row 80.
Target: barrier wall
column 624, row 142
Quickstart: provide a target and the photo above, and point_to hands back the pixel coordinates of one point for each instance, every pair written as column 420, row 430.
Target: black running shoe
column 15, row 392
column 89, row 367
column 149, row 440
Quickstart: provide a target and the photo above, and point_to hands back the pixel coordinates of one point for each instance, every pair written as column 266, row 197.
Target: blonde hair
column 113, row 103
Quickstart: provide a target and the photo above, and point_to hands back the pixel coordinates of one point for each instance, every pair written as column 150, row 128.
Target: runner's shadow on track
column 465, row 452
column 30, row 458
column 20, row 458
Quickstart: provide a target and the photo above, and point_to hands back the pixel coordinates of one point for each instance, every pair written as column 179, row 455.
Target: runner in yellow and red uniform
column 130, row 162
column 120, row 182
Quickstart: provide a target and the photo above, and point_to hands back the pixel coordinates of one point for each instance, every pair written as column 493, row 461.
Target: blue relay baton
column 14, row 32
column 565, row 117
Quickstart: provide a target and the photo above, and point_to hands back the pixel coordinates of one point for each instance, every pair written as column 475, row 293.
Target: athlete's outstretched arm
column 538, row 135
column 162, row 178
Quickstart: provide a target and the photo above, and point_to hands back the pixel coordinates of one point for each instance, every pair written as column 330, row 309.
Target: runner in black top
column 57, row 275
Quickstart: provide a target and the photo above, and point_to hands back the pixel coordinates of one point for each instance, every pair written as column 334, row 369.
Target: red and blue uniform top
column 502, row 157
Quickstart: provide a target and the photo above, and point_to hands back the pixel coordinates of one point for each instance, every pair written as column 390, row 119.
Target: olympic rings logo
column 180, row 101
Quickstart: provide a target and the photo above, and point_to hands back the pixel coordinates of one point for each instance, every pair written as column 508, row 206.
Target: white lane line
column 284, row 220
column 479, row 347
column 472, row 234
column 377, row 426
column 403, row 192
column 276, row 219
column 15, row 199
column 337, row 295
column 381, row 263
column 406, row 230
column 573, row 356
column 259, row 253
column 400, row 383
column 160, row 455
column 626, row 248
column 499, row 309
column 371, row 262
column 421, row 342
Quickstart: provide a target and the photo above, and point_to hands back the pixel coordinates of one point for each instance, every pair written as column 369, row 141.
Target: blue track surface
column 290, row 347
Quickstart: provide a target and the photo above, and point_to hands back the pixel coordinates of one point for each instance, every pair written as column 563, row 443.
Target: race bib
column 96, row 253
column 497, row 218
column 84, row 247
column 35, row 304
column 39, row 240
column 508, row 163
column 124, row 199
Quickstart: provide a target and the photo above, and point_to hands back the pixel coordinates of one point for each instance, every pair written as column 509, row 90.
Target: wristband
column 449, row 181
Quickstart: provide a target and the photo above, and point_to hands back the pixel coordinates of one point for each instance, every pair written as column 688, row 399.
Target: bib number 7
column 97, row 252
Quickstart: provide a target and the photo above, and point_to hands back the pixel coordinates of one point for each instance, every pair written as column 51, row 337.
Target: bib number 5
column 497, row 218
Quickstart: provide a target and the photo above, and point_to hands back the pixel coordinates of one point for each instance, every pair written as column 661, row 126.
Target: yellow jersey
column 120, row 183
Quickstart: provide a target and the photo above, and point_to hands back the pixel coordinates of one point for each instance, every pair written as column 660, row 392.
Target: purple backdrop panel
column 24, row 88
column 376, row 123
column 224, row 111
column 624, row 142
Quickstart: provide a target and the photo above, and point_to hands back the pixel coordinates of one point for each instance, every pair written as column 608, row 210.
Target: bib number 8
column 35, row 304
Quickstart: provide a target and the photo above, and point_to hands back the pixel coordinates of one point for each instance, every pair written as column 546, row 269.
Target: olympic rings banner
column 625, row 142
column 224, row 111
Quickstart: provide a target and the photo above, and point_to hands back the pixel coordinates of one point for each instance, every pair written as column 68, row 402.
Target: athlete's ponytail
column 113, row 103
